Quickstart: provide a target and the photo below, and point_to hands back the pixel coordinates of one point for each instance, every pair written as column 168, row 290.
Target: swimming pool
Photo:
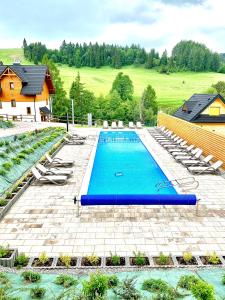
column 124, row 166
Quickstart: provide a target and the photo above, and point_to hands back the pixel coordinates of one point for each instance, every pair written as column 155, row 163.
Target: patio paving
column 44, row 218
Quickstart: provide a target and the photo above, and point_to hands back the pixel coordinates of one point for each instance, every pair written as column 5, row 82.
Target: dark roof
column 32, row 77
column 45, row 110
column 192, row 108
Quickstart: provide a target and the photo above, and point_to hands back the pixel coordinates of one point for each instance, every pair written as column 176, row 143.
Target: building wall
column 209, row 142
column 217, row 103
column 214, row 127
column 21, row 109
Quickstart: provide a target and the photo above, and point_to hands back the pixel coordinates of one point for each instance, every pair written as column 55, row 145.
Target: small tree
column 220, row 87
column 149, row 106
column 124, row 86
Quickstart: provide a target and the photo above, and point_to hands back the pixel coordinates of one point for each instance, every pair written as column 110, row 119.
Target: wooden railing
column 209, row 142
column 7, row 117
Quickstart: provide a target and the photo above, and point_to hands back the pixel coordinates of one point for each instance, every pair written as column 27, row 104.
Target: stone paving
column 45, row 217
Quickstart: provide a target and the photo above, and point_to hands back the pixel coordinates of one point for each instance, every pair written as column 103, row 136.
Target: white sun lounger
column 196, row 155
column 56, row 161
column 138, row 125
column 73, row 141
column 181, row 149
column 213, row 169
column 120, row 125
column 114, row 125
column 196, row 162
column 105, row 125
column 55, row 179
column 186, row 153
column 53, row 171
column 131, row 125
column 169, row 141
column 180, row 142
column 75, row 136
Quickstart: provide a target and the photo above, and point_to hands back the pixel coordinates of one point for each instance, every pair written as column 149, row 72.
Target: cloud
column 150, row 23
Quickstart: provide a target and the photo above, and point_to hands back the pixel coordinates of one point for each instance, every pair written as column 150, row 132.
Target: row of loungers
column 57, row 171
column 121, row 126
column 188, row 155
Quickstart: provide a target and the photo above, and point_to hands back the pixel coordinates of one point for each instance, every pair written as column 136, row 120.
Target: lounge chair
column 163, row 133
column 196, row 155
column 181, row 149
column 120, row 125
column 168, row 141
column 131, row 125
column 196, row 162
column 138, row 125
column 58, row 162
column 166, row 136
column 179, row 142
column 105, row 125
column 55, row 179
column 73, row 141
column 53, row 171
column 114, row 125
column 213, row 169
column 76, row 136
column 186, row 153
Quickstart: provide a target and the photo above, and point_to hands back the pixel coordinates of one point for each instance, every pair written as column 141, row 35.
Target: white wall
column 21, row 109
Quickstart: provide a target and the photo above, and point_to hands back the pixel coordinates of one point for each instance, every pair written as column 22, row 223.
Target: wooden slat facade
column 209, row 142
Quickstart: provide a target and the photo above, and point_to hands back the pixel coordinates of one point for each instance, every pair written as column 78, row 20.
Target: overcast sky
column 156, row 24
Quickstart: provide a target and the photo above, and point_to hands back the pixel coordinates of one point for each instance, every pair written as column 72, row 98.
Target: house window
column 0, row 104
column 28, row 111
column 13, row 103
column 11, row 84
column 214, row 111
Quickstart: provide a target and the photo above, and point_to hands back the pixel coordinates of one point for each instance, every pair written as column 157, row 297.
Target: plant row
column 138, row 259
column 101, row 286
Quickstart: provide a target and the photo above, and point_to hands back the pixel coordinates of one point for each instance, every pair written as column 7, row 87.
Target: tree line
column 186, row 56
column 119, row 104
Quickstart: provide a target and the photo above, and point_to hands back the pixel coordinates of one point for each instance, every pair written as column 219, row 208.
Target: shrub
column 43, row 258
column 115, row 259
column 223, row 279
column 187, row 257
column 31, row 276
column 112, row 281
column 22, row 155
column 93, row 259
column 65, row 280
column 213, row 258
column 3, row 155
column 96, row 287
column 65, row 259
column 154, row 285
column 7, row 165
column 187, row 281
column 139, row 258
column 203, row 291
column 21, row 260
column 126, row 290
column 162, row 289
column 4, row 279
column 37, row 292
column 163, row 259
column 2, row 172
column 4, row 251
column 3, row 202
column 16, row 160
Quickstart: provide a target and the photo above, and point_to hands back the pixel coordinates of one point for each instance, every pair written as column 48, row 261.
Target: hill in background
column 171, row 89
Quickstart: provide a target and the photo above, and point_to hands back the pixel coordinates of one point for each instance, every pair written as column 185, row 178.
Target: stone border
column 10, row 261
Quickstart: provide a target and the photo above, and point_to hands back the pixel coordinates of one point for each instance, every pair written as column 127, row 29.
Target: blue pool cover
column 138, row 200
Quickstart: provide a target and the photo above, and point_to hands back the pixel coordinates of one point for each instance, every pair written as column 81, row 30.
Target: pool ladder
column 185, row 183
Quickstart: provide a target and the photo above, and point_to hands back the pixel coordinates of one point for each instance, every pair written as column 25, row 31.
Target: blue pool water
column 123, row 165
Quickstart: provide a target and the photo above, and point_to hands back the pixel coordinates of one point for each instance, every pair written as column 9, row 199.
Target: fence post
column 67, row 122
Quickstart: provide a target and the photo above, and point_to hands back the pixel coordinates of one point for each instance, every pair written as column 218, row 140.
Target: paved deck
column 44, row 218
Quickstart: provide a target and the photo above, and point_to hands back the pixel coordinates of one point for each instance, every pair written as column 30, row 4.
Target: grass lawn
column 171, row 89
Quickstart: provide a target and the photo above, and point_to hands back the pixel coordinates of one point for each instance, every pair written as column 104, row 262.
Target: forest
column 185, row 56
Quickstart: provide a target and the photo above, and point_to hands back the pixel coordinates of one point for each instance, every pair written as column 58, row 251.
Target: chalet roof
column 32, row 77
column 191, row 109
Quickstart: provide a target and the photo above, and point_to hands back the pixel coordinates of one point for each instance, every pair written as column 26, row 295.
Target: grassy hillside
column 171, row 89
